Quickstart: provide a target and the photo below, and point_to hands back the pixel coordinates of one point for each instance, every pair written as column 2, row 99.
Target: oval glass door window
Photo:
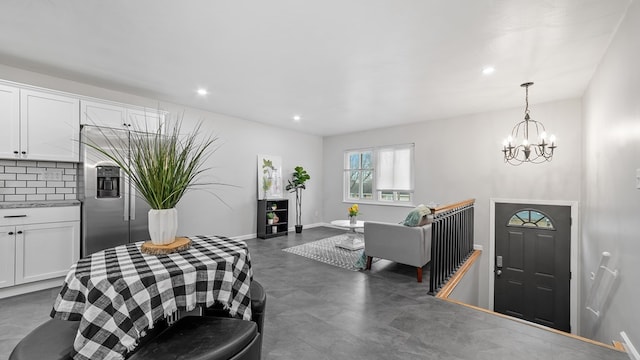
column 530, row 218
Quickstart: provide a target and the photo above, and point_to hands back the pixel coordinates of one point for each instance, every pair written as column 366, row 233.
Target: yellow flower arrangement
column 353, row 210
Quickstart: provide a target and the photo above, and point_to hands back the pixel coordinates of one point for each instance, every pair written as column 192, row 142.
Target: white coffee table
column 354, row 240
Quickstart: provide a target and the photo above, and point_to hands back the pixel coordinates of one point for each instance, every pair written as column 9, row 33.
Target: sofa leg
column 369, row 260
column 419, row 272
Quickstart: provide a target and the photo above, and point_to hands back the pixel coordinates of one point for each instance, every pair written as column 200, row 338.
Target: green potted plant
column 162, row 166
column 297, row 184
column 270, row 216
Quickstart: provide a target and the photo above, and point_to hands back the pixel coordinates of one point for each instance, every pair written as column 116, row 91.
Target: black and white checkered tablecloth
column 119, row 292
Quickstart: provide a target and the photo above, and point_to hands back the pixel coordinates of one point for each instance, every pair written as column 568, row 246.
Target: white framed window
column 379, row 175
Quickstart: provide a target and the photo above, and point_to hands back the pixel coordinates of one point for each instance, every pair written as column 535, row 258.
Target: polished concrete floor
column 318, row 311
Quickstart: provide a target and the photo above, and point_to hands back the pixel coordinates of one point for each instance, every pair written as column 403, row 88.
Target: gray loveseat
column 399, row 243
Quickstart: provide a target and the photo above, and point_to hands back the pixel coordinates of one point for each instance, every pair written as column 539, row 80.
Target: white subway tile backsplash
column 15, row 198
column 38, row 197
column 15, row 169
column 15, row 184
column 26, row 176
column 7, row 191
column 45, row 164
column 24, row 180
column 25, row 191
column 36, row 184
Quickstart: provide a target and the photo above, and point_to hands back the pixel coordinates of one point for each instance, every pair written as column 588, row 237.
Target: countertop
column 37, row 204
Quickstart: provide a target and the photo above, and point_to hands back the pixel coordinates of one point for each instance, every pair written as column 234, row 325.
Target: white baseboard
column 293, row 229
column 31, row 287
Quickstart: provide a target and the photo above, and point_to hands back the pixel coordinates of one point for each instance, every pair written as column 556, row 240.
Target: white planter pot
column 163, row 225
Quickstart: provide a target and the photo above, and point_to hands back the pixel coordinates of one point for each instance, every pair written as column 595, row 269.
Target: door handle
column 498, row 272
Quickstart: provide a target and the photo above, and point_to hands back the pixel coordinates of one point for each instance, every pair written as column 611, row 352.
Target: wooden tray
column 181, row 243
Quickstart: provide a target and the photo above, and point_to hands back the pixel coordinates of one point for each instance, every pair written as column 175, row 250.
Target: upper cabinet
column 145, row 120
column 9, row 122
column 49, row 126
column 119, row 116
column 38, row 125
column 101, row 114
column 42, row 124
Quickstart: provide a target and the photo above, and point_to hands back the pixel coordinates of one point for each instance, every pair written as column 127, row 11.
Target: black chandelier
column 520, row 150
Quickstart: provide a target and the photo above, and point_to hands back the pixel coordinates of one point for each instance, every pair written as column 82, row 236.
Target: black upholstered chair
column 54, row 338
column 204, row 338
column 258, row 307
column 51, row 340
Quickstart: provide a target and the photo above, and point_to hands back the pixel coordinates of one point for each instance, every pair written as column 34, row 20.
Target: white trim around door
column 574, row 250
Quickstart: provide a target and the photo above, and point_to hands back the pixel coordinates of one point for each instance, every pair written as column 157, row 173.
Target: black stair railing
column 451, row 241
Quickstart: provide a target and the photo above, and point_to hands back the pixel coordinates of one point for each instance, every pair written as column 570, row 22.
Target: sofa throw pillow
column 418, row 216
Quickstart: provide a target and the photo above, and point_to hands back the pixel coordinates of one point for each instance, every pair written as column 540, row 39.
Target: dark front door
column 533, row 263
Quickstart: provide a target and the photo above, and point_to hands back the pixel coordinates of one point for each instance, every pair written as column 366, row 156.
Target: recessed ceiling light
column 297, row 117
column 202, row 92
column 488, row 70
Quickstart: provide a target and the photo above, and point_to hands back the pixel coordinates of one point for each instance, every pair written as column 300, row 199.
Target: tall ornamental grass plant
column 162, row 166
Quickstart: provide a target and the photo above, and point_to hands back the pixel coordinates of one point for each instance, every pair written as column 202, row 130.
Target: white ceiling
column 344, row 65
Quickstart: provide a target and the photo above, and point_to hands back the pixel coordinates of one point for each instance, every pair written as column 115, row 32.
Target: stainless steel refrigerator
column 112, row 214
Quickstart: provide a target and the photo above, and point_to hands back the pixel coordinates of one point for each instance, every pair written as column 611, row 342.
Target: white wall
column 460, row 158
column 612, row 202
column 235, row 162
column 468, row 287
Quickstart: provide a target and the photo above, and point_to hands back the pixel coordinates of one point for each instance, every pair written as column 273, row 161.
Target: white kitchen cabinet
column 119, row 116
column 45, row 243
column 7, row 256
column 103, row 114
column 49, row 126
column 9, row 121
column 145, row 120
column 46, row 251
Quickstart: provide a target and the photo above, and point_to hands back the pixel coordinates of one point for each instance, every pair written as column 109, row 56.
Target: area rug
column 325, row 251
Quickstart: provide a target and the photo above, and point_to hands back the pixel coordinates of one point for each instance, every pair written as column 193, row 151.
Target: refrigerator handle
column 125, row 212
column 132, row 215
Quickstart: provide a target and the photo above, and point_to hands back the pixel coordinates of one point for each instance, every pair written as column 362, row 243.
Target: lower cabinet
column 46, row 251
column 38, row 251
column 7, row 256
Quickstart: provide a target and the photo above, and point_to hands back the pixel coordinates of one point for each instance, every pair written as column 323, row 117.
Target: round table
column 354, row 240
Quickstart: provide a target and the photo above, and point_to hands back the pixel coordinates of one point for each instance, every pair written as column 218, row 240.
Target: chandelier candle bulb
column 543, row 137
